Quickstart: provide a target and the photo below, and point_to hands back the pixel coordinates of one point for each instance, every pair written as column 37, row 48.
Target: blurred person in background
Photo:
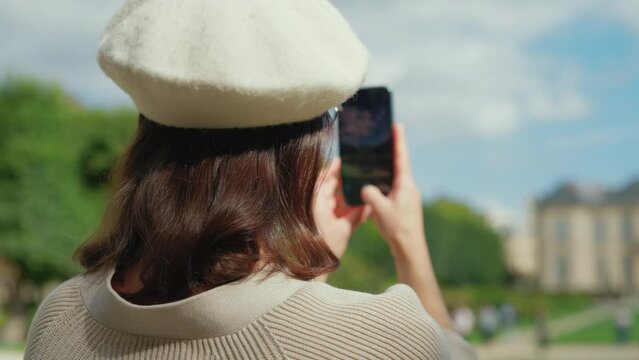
column 488, row 321
column 508, row 315
column 541, row 328
column 223, row 222
column 464, row 320
column 623, row 323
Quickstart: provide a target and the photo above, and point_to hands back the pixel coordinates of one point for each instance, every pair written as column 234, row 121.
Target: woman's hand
column 335, row 220
column 399, row 216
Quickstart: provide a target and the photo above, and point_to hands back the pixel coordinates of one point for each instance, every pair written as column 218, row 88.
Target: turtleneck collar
column 215, row 312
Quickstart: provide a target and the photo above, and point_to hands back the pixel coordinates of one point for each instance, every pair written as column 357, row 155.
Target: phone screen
column 365, row 142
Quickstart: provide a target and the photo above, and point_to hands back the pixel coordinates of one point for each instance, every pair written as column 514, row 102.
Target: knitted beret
column 232, row 63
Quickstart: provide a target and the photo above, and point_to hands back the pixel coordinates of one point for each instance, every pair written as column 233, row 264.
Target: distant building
column 518, row 255
column 520, row 247
column 588, row 239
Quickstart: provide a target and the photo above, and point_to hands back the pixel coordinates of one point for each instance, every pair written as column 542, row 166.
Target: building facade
column 588, row 239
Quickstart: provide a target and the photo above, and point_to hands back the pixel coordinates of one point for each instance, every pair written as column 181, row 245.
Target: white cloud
column 59, row 43
column 457, row 68
column 499, row 215
column 462, row 68
column 626, row 10
column 516, row 216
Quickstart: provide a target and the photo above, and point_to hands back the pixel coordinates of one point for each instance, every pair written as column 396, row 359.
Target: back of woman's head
column 197, row 208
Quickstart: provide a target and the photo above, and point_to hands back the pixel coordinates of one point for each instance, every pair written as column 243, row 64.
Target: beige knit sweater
column 258, row 317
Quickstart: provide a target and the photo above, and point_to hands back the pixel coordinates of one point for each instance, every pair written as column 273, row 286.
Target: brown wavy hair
column 197, row 208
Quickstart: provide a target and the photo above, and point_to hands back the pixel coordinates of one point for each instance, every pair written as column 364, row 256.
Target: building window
column 600, row 229
column 627, row 228
column 562, row 270
column 628, row 271
column 602, row 272
column 562, row 230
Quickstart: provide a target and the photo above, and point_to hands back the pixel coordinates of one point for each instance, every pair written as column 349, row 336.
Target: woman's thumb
column 373, row 196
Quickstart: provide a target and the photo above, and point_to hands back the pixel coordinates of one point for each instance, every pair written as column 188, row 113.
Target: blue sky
column 502, row 100
column 502, row 173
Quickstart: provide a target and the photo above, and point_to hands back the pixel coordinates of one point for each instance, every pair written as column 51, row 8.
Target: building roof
column 627, row 194
column 571, row 193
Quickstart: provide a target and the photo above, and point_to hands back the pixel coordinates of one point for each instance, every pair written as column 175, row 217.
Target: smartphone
column 365, row 142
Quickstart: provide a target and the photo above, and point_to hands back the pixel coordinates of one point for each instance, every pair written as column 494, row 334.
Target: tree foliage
column 49, row 201
column 464, row 249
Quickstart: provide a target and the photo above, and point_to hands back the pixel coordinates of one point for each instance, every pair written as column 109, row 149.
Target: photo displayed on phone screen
column 365, row 142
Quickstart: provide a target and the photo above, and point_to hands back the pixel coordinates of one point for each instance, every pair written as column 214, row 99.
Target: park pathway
column 520, row 344
column 558, row 352
column 570, row 323
column 10, row 355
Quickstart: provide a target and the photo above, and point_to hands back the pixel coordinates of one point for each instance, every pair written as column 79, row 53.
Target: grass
column 29, row 313
column 602, row 332
column 475, row 337
column 555, row 306
column 3, row 317
column 11, row 346
column 526, row 303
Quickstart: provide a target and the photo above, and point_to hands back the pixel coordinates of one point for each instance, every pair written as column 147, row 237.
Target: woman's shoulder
column 62, row 300
column 331, row 296
column 354, row 324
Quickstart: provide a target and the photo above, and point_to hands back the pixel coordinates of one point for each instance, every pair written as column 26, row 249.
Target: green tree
column 47, row 206
column 464, row 249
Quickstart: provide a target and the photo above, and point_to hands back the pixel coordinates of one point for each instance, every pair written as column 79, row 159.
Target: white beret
column 232, row 63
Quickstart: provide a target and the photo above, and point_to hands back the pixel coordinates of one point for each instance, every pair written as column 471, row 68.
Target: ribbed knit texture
column 317, row 322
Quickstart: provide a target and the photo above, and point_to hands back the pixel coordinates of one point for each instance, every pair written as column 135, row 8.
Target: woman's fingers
column 373, row 196
column 357, row 215
column 402, row 159
column 366, row 213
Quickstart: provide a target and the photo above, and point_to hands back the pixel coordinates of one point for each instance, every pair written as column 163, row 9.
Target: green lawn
column 556, row 306
column 3, row 317
column 30, row 312
column 602, row 332
column 12, row 347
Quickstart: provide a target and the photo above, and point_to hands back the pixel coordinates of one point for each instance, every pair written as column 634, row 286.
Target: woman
column 223, row 224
